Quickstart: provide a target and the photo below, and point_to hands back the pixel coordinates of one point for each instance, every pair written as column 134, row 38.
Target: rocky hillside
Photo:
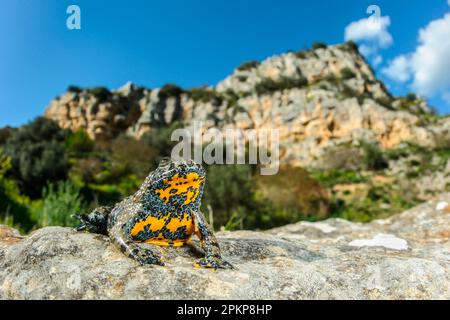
column 404, row 257
column 320, row 99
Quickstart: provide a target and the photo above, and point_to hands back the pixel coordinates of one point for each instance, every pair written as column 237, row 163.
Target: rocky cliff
column 319, row 99
column 404, row 257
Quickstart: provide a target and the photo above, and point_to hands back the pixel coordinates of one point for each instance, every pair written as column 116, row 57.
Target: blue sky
column 189, row 43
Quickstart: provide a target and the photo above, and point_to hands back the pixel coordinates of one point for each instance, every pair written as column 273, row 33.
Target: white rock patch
column 441, row 205
column 382, row 240
column 324, row 227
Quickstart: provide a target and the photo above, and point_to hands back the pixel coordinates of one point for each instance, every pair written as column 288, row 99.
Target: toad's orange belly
column 168, row 231
column 167, row 242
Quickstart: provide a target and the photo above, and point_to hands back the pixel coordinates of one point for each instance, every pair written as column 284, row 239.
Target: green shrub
column 73, row 88
column 14, row 207
column 248, row 65
column 347, row 73
column 381, row 202
column 131, row 156
column 373, row 157
column 60, row 201
column 350, row 46
column 38, row 155
column 204, row 94
column 229, row 191
column 86, row 170
column 101, row 93
column 287, row 197
column 300, row 54
column 329, row 178
column 160, row 139
column 319, row 45
column 267, row 86
column 331, row 78
column 411, row 97
column 170, row 90
column 231, row 97
column 385, row 102
column 5, row 133
column 348, row 92
column 79, row 144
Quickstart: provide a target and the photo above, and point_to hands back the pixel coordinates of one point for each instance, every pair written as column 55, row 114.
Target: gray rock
column 404, row 257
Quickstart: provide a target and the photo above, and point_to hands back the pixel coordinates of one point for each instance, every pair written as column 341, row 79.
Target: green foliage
column 73, row 88
column 380, row 202
column 240, row 198
column 13, row 205
column 329, row 178
column 319, row 45
column 79, row 144
column 170, row 90
column 267, row 86
column 5, row 133
column 131, row 156
column 385, row 102
column 101, row 93
column 347, row 73
column 248, row 65
column 301, row 54
column 420, row 160
column 411, row 97
column 350, row 46
column 229, row 191
column 331, row 78
column 86, row 169
column 231, row 97
column 204, row 94
column 60, row 201
column 374, row 158
column 287, row 197
column 38, row 155
column 348, row 92
column 160, row 139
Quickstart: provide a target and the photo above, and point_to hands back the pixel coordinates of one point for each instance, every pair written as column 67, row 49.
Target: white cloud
column 371, row 34
column 399, row 69
column 378, row 60
column 367, row 50
column 431, row 60
column 428, row 66
column 371, row 30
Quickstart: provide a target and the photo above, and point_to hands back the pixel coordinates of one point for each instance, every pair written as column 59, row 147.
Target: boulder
column 406, row 256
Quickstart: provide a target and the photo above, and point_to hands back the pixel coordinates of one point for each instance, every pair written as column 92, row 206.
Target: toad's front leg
column 213, row 258
column 120, row 236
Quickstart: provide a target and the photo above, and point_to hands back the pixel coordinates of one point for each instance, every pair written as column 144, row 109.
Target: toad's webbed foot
column 213, row 262
column 146, row 256
column 123, row 241
column 95, row 222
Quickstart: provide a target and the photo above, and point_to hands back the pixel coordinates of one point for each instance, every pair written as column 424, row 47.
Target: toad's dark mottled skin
column 165, row 211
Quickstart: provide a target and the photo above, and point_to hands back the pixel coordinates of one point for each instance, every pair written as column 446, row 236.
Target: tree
column 38, row 155
column 13, row 206
column 160, row 139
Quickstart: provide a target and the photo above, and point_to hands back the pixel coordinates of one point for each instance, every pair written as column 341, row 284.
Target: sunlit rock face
column 318, row 100
column 404, row 257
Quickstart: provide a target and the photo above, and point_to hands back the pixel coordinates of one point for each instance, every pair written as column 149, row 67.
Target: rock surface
column 404, row 257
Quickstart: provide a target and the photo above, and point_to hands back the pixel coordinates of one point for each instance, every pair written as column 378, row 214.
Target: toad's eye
column 164, row 162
